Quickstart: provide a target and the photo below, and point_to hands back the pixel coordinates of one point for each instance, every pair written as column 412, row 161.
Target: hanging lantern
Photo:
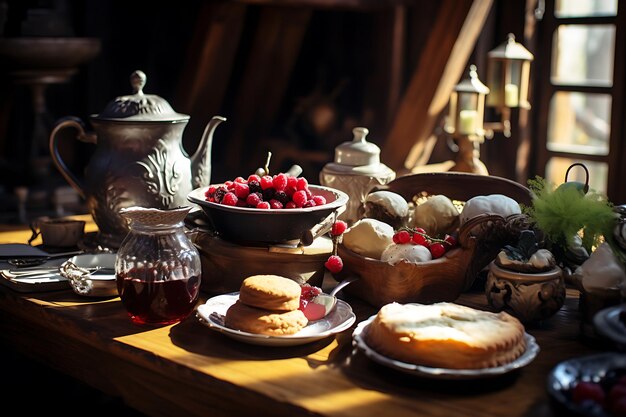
column 467, row 107
column 508, row 74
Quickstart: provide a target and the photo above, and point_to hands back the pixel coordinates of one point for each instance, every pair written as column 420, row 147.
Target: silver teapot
column 139, row 159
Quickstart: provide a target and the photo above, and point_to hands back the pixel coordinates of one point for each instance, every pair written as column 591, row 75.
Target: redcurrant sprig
column 418, row 236
column 334, row 263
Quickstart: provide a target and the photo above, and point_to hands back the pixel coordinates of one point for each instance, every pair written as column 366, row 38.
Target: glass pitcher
column 157, row 267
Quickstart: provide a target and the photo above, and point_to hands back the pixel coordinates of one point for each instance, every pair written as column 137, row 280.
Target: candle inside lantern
column 511, row 94
column 467, row 122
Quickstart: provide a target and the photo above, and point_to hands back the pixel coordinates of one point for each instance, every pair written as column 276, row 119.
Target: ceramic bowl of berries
column 267, row 210
column 591, row 386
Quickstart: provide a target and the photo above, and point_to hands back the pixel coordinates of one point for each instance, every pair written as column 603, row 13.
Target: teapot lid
column 140, row 107
column 358, row 157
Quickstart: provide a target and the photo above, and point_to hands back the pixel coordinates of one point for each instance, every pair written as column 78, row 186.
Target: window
column 581, row 102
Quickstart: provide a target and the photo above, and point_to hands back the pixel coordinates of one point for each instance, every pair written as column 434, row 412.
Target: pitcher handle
column 76, row 123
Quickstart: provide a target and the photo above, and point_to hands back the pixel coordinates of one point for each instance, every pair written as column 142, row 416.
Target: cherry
column 585, row 390
column 334, row 264
column 339, row 227
column 437, row 250
column 419, row 239
column 450, row 240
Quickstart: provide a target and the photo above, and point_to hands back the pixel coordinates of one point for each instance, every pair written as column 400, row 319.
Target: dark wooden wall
column 293, row 77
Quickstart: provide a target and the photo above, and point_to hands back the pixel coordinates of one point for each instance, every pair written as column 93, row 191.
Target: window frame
column 545, row 90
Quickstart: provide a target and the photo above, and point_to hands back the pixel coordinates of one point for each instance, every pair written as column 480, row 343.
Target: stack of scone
column 268, row 304
column 446, row 335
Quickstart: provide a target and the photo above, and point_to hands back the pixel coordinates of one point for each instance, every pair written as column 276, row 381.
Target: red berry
column 403, row 237
column 308, row 292
column 228, row 184
column 230, row 199
column 267, row 182
column 437, row 250
column 588, row 391
column 309, row 203
column 290, row 190
column 280, row 182
column 210, row 191
column 616, row 394
column 451, row 241
column 275, row 204
column 303, row 184
column 421, row 230
column 334, row 264
column 419, row 239
column 254, row 177
column 254, row 199
column 338, row 228
column 292, row 182
column 240, row 180
column 319, row 200
column 290, row 205
column 263, row 205
column 241, row 190
column 299, row 198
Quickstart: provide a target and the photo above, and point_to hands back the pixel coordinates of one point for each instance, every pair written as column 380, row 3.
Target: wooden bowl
column 225, row 265
column 252, row 226
column 438, row 280
column 443, row 279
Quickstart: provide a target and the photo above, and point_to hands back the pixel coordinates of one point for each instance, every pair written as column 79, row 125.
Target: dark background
column 336, row 71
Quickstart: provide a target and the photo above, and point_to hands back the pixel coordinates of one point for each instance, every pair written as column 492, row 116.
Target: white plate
column 442, row 373
column 608, row 324
column 212, row 314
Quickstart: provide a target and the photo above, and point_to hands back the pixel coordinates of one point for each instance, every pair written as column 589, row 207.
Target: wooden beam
column 273, row 54
column 440, row 67
column 210, row 59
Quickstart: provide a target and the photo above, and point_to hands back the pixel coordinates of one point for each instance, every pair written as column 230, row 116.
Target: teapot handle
column 76, row 123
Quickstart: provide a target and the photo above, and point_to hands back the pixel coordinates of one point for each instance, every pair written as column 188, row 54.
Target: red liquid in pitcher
column 157, row 302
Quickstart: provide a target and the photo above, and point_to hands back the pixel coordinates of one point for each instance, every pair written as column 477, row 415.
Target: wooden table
column 187, row 369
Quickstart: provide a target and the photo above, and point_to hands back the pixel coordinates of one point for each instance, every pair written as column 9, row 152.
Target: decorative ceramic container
column 530, row 297
column 356, row 170
column 139, row 159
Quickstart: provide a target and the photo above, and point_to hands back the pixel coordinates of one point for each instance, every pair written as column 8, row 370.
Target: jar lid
column 358, row 151
column 140, row 107
column 358, row 157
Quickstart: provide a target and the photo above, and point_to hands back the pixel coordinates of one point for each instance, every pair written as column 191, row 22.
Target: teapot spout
column 201, row 159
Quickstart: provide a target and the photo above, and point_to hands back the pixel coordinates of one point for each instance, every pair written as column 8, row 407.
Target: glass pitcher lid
column 154, row 217
column 140, row 107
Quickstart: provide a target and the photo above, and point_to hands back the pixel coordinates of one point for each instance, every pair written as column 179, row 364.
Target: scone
column 259, row 321
column 446, row 335
column 271, row 292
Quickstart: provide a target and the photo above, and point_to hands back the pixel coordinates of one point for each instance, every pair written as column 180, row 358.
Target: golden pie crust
column 446, row 335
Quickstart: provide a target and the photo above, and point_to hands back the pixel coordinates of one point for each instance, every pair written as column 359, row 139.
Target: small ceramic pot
column 59, row 233
column 530, row 297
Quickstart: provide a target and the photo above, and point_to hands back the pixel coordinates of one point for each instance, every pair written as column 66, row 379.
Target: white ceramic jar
column 356, row 170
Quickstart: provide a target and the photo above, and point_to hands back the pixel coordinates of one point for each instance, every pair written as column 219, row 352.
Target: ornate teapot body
column 139, row 159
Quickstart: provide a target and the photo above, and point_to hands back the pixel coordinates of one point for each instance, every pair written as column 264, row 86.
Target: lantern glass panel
column 495, row 98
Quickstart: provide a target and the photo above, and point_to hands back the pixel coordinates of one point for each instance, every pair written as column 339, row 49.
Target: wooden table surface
column 187, row 369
